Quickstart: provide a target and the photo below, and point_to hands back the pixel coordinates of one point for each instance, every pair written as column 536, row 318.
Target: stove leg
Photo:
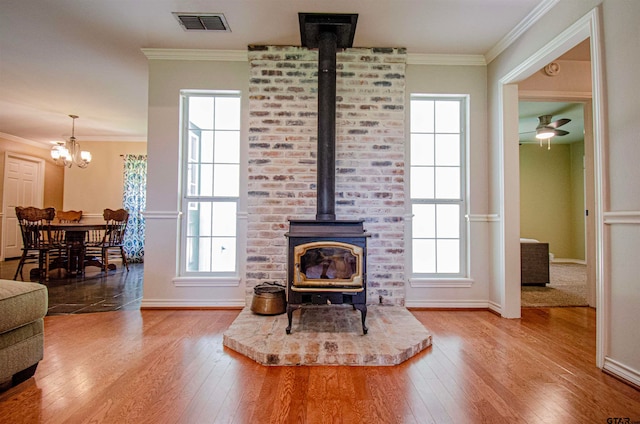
column 363, row 311
column 290, row 309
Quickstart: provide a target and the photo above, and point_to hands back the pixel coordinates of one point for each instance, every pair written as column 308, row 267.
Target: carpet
column 568, row 287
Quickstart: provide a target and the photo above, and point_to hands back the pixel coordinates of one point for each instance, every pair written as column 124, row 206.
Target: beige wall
column 162, row 285
column 578, row 202
column 99, row 186
column 551, row 197
column 574, row 77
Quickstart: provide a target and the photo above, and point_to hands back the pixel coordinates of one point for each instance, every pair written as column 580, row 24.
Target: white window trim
column 187, row 278
column 461, row 279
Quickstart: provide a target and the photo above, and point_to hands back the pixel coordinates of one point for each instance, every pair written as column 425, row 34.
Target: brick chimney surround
column 370, row 157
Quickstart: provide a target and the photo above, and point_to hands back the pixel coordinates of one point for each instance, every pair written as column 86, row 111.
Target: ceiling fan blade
column 560, row 132
column 559, row 123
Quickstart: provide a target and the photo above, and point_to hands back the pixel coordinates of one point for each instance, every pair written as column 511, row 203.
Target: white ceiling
column 84, row 57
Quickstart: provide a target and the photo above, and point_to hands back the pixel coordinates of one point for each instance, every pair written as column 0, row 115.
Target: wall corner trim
column 483, row 217
column 622, row 217
column 161, row 214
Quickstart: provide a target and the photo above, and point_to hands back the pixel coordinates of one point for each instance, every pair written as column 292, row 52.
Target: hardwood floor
column 164, row 366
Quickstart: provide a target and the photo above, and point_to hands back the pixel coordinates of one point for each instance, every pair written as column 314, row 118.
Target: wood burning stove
column 327, row 265
column 327, row 257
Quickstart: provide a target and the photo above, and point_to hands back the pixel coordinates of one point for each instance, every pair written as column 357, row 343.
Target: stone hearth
column 329, row 335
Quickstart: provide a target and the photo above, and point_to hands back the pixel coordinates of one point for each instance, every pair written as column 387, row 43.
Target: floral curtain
column 134, row 200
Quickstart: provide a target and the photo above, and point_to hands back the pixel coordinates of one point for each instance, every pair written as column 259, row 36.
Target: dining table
column 75, row 236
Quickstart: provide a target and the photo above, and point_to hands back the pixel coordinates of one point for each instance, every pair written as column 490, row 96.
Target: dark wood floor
column 164, row 366
column 96, row 291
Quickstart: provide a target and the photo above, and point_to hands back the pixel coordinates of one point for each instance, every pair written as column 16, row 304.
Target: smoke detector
column 552, row 69
column 202, row 21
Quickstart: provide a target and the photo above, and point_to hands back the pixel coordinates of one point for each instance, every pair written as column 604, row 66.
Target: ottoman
column 22, row 310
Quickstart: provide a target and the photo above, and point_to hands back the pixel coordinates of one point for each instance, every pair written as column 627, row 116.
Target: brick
column 369, row 156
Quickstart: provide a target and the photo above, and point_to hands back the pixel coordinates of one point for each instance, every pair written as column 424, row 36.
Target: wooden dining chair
column 69, row 216
column 111, row 243
column 40, row 245
column 74, row 248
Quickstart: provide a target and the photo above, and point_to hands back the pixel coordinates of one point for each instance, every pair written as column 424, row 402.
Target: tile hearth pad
column 329, row 335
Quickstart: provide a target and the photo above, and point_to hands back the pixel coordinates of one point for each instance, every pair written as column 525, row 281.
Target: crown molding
column 9, row 137
column 242, row 56
column 196, row 54
column 528, row 21
column 446, row 59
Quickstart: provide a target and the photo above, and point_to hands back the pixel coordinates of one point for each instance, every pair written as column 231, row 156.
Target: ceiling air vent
column 202, row 21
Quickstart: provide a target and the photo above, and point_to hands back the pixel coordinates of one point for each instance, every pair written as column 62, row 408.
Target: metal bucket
column 269, row 299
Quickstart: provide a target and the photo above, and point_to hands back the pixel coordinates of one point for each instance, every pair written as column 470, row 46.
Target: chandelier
column 69, row 153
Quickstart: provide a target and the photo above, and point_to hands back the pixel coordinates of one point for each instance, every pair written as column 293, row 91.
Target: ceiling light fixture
column 544, row 133
column 69, row 153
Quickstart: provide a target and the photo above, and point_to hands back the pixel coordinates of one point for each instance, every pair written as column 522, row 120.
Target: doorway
column 587, row 27
column 555, row 199
column 23, row 185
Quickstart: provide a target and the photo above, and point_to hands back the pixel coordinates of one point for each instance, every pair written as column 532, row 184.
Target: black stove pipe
column 326, row 161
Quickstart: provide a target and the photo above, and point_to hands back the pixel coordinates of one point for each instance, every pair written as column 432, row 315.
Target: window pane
column 226, row 180
column 191, row 254
column 201, row 112
column 424, row 256
column 422, row 182
column 224, row 219
column 424, row 218
column 422, row 116
column 227, row 147
column 192, row 179
column 448, row 221
column 448, row 116
column 204, row 218
column 447, row 149
column 223, row 254
column 448, row 183
column 227, row 113
column 422, row 149
column 448, row 256
column 206, row 180
column 193, row 221
column 206, row 146
column 193, row 154
column 204, row 254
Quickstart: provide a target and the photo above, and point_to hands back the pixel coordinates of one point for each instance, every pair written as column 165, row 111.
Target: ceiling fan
column 547, row 129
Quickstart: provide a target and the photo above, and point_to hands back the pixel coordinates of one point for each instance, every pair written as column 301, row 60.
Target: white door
column 23, row 186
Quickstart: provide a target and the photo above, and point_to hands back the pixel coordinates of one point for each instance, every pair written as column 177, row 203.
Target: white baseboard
column 192, row 303
column 622, row 371
column 453, row 304
column 495, row 307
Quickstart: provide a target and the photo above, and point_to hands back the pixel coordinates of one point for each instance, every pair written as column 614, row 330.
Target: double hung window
column 210, row 182
column 437, row 186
